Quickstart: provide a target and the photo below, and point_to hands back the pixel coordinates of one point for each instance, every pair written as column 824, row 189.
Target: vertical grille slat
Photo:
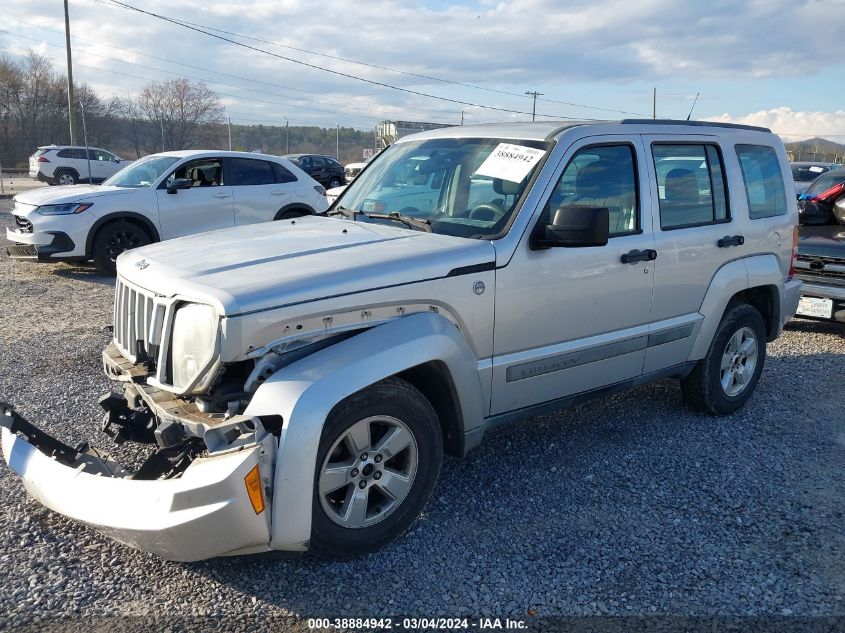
column 134, row 310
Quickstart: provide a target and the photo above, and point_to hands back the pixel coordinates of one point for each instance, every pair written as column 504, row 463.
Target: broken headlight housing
column 193, row 344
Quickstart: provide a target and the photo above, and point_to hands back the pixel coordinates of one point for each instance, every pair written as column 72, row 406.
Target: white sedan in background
column 156, row 198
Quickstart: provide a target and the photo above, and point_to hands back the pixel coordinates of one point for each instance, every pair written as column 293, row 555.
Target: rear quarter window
column 764, row 188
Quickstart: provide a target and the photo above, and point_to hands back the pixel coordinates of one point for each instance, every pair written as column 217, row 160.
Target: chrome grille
column 821, row 269
column 24, row 225
column 138, row 318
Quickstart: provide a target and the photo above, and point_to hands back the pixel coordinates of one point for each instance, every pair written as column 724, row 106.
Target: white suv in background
column 68, row 165
column 157, row 198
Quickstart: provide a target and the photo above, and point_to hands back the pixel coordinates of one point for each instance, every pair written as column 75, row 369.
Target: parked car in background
column 824, row 200
column 332, row 194
column 159, row 197
column 324, row 169
column 69, row 164
column 821, row 248
column 821, row 266
column 301, row 382
column 805, row 172
column 351, row 170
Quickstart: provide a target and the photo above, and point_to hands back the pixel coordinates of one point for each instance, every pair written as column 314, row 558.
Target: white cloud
column 514, row 45
column 792, row 125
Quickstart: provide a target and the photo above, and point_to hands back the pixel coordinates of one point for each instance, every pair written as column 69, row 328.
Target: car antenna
column 693, row 105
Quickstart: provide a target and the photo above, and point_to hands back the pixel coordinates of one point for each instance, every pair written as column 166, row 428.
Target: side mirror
column 574, row 227
column 179, row 183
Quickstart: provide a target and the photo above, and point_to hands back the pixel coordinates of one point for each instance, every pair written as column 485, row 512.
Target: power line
column 327, row 55
column 329, row 70
column 200, row 68
column 393, row 70
column 287, row 105
column 237, row 97
column 221, row 83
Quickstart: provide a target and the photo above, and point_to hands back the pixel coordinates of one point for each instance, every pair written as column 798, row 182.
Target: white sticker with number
column 510, row 162
column 816, row 170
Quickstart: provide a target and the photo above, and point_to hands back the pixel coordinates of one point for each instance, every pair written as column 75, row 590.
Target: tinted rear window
column 247, row 171
column 764, row 187
column 283, row 174
column 40, row 152
column 73, row 153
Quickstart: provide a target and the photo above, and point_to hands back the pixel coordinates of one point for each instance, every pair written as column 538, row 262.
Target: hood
column 71, row 193
column 260, row 266
column 822, row 241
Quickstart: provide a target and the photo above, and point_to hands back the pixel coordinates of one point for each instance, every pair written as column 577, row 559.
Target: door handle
column 278, row 193
column 220, row 195
column 634, row 256
column 731, row 240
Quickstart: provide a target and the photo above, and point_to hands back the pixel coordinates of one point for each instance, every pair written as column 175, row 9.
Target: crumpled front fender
column 305, row 392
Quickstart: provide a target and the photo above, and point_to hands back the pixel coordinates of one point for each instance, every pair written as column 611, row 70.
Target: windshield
column 467, row 187
column 823, row 183
column 807, row 173
column 143, row 172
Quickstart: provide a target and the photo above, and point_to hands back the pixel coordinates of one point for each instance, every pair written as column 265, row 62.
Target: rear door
column 691, row 215
column 74, row 158
column 206, row 206
column 261, row 188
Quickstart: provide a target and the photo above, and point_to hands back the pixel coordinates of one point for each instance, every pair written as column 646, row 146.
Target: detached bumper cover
column 202, row 514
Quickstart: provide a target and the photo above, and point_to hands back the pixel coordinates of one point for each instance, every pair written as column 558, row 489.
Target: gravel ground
column 630, row 505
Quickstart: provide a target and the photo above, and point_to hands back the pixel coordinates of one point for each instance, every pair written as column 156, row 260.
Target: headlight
column 193, row 342
column 63, row 209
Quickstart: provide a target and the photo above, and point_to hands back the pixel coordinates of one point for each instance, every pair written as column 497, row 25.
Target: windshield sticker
column 510, row 162
column 816, row 170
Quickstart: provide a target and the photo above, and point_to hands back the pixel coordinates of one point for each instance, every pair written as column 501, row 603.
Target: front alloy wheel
column 368, row 472
column 377, row 464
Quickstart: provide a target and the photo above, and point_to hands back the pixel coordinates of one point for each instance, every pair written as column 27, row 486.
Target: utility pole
column 654, row 103
column 162, row 130
column 70, row 108
column 287, row 135
column 337, row 141
column 462, row 116
column 85, row 136
column 534, row 94
column 229, row 125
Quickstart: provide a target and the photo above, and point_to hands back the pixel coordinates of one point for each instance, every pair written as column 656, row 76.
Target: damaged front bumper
column 214, row 507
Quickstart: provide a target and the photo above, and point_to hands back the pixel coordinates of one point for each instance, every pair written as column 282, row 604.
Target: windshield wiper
column 407, row 220
column 347, row 213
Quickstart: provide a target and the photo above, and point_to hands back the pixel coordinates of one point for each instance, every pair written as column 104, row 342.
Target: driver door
column 571, row 320
column 206, row 206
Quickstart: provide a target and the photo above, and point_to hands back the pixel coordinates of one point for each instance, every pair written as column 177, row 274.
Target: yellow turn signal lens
column 253, row 489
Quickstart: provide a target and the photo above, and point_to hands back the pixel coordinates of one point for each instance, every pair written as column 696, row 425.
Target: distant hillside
column 819, row 149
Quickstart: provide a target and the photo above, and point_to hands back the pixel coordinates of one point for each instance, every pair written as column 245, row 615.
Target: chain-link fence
column 799, row 155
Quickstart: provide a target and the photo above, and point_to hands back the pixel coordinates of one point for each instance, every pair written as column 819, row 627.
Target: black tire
column 702, row 388
column 287, row 214
column 65, row 176
column 335, row 182
column 113, row 239
column 391, row 397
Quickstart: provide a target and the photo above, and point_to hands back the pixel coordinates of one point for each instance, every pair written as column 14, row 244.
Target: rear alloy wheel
column 725, row 379
column 112, row 240
column 378, row 462
column 335, row 182
column 66, row 177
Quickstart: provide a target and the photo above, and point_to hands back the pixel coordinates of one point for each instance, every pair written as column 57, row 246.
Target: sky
column 765, row 62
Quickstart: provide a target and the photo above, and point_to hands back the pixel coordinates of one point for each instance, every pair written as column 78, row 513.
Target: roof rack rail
column 738, row 126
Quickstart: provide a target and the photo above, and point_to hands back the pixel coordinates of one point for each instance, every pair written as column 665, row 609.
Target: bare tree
column 184, row 108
